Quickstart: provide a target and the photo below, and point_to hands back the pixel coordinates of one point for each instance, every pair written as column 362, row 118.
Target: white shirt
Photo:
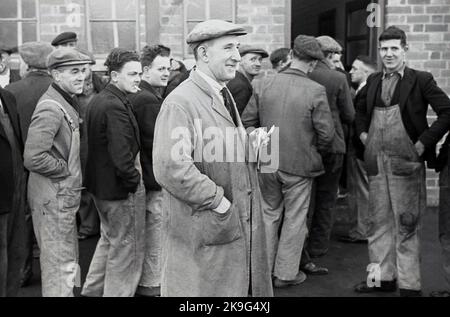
column 361, row 86
column 216, row 87
column 5, row 79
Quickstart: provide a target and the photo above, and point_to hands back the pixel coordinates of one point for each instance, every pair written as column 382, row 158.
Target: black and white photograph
column 243, row 150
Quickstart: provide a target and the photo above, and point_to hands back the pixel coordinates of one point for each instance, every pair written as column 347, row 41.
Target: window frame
column 20, row 20
column 115, row 22
column 186, row 53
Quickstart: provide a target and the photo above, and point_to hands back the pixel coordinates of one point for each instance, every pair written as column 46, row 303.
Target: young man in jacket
column 391, row 121
column 146, row 103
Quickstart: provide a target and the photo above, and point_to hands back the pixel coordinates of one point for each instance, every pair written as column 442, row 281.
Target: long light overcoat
column 206, row 253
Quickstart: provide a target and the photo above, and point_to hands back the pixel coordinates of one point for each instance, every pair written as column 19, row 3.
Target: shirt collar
column 401, row 72
column 67, row 97
column 211, row 82
column 5, row 78
column 361, row 86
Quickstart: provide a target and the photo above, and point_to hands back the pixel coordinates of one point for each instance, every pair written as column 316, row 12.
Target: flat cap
column 66, row 57
column 329, row 44
column 244, row 49
column 212, row 29
column 35, row 54
column 90, row 55
column 64, row 38
column 308, row 45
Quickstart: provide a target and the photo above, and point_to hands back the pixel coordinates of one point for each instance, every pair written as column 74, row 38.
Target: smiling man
column 52, row 155
column 213, row 238
column 250, row 67
column 155, row 62
column 391, row 121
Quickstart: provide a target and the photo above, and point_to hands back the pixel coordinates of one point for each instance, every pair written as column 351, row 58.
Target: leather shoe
column 312, row 269
column 299, row 278
column 386, row 286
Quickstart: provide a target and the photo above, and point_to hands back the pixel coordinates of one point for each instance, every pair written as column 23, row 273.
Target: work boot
column 440, row 294
column 385, row 287
column 299, row 278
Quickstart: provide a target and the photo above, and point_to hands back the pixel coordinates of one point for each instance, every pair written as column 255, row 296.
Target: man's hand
column 363, row 137
column 420, row 148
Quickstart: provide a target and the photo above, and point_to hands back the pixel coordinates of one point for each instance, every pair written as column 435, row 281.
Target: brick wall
column 426, row 23
column 265, row 21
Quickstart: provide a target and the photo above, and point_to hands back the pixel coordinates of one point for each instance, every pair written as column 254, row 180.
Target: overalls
column 54, row 204
column 397, row 197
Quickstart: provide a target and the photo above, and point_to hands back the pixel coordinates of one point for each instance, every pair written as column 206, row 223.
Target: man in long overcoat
column 213, row 232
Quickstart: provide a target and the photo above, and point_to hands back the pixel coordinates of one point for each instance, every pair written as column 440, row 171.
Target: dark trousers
column 12, row 251
column 324, row 198
column 444, row 221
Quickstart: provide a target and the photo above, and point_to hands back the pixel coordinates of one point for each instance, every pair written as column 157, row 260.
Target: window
column 19, row 22
column 112, row 23
column 196, row 11
column 360, row 38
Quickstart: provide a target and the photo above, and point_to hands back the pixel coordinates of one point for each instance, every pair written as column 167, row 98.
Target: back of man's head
column 279, row 55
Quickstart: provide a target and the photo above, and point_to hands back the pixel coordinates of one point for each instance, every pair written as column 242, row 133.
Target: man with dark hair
column 281, row 59
column 391, row 121
column 52, row 155
column 326, row 185
column 114, row 178
column 12, row 198
column 250, row 66
column 306, row 127
column 357, row 182
column 146, row 103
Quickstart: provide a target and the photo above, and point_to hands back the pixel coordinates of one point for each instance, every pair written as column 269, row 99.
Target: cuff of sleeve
column 218, row 198
column 223, row 206
column 427, row 141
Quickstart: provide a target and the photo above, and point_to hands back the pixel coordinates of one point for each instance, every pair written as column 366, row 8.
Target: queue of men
column 193, row 193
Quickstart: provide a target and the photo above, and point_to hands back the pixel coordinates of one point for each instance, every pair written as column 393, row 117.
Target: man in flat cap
column 241, row 86
column 65, row 39
column 7, row 75
column 306, row 128
column 52, row 155
column 213, row 238
column 326, row 186
column 35, row 82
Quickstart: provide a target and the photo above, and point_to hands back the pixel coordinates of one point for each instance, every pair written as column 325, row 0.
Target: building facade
column 104, row 24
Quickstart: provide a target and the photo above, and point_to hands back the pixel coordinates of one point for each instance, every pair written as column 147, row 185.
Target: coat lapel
column 13, row 117
column 217, row 104
column 406, row 85
column 372, row 92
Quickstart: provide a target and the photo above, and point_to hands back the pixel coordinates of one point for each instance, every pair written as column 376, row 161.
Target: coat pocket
column 403, row 167
column 218, row 229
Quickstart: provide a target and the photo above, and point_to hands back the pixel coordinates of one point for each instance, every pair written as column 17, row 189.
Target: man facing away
column 306, row 126
column 391, row 121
